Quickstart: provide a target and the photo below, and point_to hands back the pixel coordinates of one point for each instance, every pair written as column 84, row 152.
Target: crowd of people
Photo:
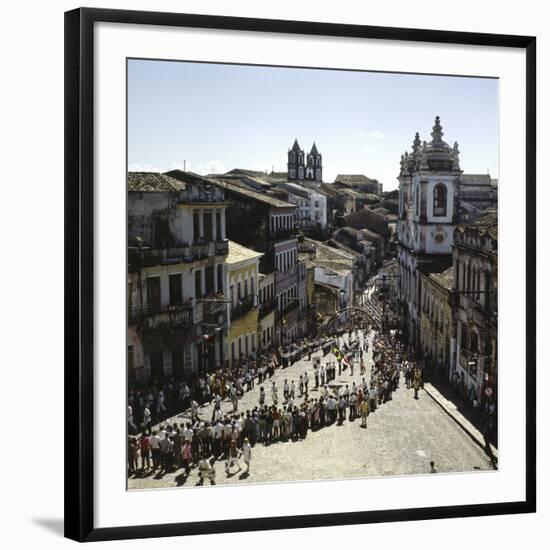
column 283, row 413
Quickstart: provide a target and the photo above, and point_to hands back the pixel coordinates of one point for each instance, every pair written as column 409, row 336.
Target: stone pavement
column 402, row 436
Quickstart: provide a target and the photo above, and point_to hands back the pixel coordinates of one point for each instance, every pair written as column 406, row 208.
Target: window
column 218, row 226
column 153, row 292
column 220, row 277
column 176, row 297
column 161, row 233
column 440, row 200
column 209, row 280
column 198, row 283
column 207, row 222
column 196, row 226
column 177, row 363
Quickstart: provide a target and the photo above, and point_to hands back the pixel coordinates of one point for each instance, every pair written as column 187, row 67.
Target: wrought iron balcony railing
column 241, row 308
column 159, row 318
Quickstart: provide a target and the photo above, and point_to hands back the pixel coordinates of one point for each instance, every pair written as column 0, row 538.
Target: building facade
column 475, row 301
column 436, row 317
column 428, row 200
column 268, row 225
column 177, row 321
column 243, row 283
column 267, row 306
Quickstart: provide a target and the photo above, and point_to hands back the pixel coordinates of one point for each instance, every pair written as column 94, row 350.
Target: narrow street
column 402, row 437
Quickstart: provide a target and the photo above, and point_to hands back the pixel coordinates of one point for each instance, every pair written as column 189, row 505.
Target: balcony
column 241, row 308
column 161, row 318
column 222, row 248
column 214, row 305
column 147, row 257
column 200, row 251
column 201, row 193
column 265, row 308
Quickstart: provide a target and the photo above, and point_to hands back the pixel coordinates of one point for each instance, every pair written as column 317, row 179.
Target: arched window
column 440, row 200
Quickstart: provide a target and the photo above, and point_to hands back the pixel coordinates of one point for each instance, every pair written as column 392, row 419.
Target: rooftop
column 152, row 182
column 253, row 195
column 294, row 189
column 444, row 279
column 353, row 178
column 239, row 253
column 487, row 222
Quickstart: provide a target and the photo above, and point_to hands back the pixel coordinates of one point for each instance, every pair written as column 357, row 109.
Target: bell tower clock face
column 439, row 238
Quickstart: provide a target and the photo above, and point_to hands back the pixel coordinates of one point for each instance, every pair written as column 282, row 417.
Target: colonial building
column 268, row 225
column 436, row 318
column 243, row 283
column 430, row 207
column 267, row 307
column 474, row 340
column 311, row 213
column 298, row 169
column 177, row 321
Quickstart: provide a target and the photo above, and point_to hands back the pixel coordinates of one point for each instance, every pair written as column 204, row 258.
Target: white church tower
column 429, row 182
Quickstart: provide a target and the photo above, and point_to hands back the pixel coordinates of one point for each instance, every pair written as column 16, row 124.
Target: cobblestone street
column 402, row 437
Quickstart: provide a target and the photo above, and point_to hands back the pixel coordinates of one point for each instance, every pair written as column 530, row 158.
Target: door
column 177, row 363
column 176, row 296
column 153, row 293
column 157, row 366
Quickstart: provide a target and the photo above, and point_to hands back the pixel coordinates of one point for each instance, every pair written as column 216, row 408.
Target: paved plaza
column 402, row 437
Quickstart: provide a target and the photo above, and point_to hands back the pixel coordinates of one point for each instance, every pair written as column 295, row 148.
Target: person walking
column 233, row 457
column 274, row 394
column 364, row 412
column 416, row 386
column 186, row 456
column 154, row 442
column 145, row 452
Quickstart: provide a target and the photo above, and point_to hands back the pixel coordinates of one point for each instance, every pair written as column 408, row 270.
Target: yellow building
column 436, row 314
column 267, row 304
column 242, row 283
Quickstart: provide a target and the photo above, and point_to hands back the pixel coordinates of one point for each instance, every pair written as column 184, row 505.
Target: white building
column 428, row 196
column 434, row 196
column 312, row 205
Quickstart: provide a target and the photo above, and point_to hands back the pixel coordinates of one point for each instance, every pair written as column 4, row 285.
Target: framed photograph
column 300, row 274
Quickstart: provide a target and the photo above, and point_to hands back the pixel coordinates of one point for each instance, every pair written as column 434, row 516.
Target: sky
column 218, row 117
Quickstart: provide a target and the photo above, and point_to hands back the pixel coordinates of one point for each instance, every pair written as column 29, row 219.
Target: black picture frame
column 79, row 266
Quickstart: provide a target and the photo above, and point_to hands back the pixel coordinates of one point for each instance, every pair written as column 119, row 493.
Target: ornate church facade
column 433, row 200
column 300, row 168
